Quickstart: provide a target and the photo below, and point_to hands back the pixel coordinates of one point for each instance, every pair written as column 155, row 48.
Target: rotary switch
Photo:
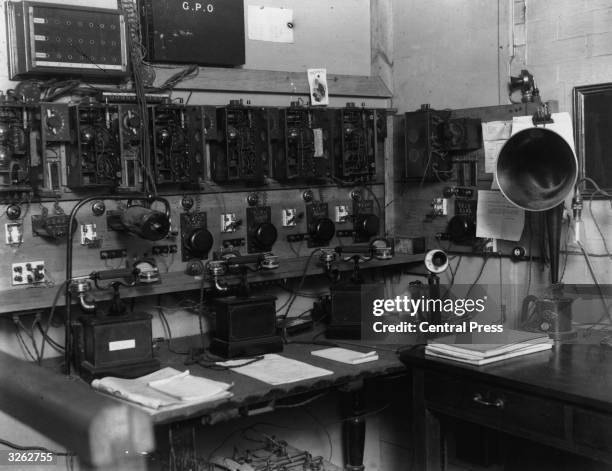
column 366, row 225
column 199, row 241
column 323, row 230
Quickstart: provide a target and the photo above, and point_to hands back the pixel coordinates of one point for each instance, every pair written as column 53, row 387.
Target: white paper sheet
column 562, row 125
column 497, row 218
column 492, row 149
column 270, row 24
column 496, row 130
column 275, row 369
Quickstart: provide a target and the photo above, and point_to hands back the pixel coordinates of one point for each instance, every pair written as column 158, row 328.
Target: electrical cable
column 484, row 263
column 599, row 289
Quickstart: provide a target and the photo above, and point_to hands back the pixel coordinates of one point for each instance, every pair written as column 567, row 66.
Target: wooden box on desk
column 350, row 301
column 114, row 346
column 245, row 327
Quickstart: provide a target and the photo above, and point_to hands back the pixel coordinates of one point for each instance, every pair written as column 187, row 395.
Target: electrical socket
column 28, row 273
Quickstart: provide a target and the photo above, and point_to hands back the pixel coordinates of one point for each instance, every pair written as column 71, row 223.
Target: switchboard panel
column 47, row 38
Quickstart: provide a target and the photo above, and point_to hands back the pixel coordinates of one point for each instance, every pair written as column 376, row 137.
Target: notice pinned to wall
column 497, row 218
column 317, row 81
column 494, row 135
column 270, row 24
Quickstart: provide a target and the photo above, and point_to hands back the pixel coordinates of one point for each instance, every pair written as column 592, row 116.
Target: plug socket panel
column 28, row 273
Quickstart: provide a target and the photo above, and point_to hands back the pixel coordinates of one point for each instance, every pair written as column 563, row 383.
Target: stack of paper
column 344, row 355
column 166, row 387
column 275, row 369
column 488, row 348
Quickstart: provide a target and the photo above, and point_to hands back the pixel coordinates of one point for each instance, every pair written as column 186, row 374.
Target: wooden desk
column 253, row 396
column 561, row 398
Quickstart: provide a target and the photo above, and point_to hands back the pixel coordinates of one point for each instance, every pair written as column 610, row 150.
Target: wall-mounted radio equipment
column 51, row 132
column 14, row 148
column 240, row 149
column 50, row 38
column 357, row 145
column 178, row 143
column 95, row 154
column 301, row 143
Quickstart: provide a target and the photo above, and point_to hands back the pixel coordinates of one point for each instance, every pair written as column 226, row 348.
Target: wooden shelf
column 211, row 79
column 28, row 299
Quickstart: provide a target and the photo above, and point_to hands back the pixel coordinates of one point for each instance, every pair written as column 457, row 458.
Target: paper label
column 121, row 345
column 318, row 142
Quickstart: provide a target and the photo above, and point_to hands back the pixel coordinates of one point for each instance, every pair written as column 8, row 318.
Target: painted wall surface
column 445, row 53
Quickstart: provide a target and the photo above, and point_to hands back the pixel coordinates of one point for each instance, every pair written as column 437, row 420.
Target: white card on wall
column 270, row 24
column 317, row 81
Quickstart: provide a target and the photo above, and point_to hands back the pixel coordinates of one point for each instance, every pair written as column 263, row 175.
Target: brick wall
column 568, row 43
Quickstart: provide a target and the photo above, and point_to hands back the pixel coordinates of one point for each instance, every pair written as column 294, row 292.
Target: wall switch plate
column 342, row 213
column 289, row 217
column 13, row 233
column 228, row 222
column 89, row 235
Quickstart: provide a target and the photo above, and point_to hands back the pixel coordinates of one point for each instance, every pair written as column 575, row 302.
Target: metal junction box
column 204, row 32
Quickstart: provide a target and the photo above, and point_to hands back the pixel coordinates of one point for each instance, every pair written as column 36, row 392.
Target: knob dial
column 13, row 212
column 461, row 229
column 265, row 236
column 367, row 225
column 323, row 230
column 199, row 241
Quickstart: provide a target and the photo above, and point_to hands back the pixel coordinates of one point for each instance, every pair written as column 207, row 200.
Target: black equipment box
column 49, row 38
column 245, row 327
column 350, row 303
column 204, row 32
column 114, row 346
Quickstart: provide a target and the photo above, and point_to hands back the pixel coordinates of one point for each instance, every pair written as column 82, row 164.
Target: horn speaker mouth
column 536, row 169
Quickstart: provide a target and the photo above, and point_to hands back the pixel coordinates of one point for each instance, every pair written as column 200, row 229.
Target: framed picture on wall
column 593, row 134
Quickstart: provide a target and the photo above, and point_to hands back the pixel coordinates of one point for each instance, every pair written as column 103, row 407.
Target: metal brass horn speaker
column 536, row 169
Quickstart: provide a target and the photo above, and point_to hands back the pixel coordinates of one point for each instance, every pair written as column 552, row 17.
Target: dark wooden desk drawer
column 497, row 407
column 593, row 430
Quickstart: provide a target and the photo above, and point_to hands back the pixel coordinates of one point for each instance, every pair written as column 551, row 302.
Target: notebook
column 484, row 361
column 344, row 355
column 486, row 345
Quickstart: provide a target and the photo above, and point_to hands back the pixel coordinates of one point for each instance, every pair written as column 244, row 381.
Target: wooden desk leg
column 354, row 425
column 429, row 445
